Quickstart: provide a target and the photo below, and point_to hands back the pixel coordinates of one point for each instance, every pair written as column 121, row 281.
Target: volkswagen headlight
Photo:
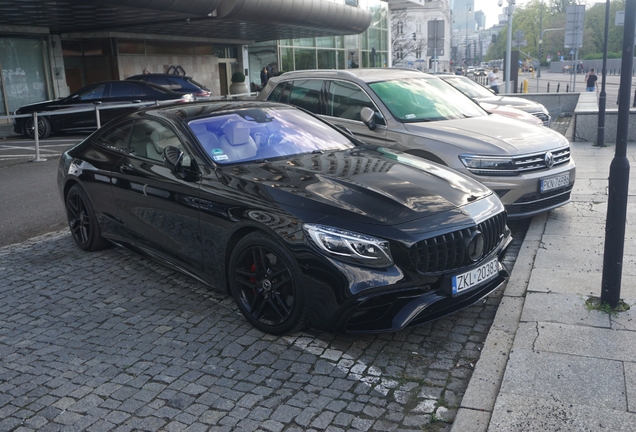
column 349, row 246
column 489, row 165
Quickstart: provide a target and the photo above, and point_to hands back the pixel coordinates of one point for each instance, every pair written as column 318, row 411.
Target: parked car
column 482, row 94
column 528, row 166
column 104, row 94
column 514, row 113
column 176, row 83
column 301, row 223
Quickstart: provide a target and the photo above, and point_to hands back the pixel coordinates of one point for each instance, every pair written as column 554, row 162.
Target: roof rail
column 334, row 71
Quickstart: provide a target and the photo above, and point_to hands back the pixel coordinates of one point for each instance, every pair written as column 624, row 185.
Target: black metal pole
column 619, row 174
column 602, row 99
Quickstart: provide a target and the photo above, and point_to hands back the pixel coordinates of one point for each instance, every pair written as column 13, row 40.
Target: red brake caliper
column 253, row 279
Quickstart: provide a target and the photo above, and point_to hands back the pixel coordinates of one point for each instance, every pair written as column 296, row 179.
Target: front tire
column 44, row 127
column 82, row 221
column 266, row 284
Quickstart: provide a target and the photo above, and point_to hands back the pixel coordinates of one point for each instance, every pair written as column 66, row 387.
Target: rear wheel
column 82, row 221
column 44, row 127
column 265, row 281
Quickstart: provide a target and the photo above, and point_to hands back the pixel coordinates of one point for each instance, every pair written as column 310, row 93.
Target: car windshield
column 424, row 99
column 255, row 134
column 469, row 87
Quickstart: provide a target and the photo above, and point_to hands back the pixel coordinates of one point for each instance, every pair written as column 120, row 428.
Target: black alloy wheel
column 44, row 127
column 265, row 282
column 82, row 221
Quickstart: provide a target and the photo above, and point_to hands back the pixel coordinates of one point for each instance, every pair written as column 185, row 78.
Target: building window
column 400, row 28
column 418, row 26
column 418, row 53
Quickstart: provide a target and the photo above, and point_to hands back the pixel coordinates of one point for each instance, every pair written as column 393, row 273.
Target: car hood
column 361, row 185
column 518, row 103
column 40, row 106
column 490, row 135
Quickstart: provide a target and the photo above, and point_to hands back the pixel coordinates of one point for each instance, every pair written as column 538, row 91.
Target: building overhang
column 240, row 20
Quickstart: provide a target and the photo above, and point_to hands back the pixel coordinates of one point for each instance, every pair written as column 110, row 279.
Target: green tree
column 595, row 29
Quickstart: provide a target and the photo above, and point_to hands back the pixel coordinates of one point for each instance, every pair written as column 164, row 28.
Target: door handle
column 126, row 167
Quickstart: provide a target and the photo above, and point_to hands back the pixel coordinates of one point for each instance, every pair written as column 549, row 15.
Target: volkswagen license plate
column 475, row 277
column 555, row 182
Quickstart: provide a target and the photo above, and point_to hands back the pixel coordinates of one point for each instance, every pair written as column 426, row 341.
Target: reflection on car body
column 301, row 223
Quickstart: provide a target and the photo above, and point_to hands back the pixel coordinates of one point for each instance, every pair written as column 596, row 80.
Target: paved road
column 562, row 81
column 112, row 341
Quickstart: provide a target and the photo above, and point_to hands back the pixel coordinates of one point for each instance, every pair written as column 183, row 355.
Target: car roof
column 160, row 75
column 193, row 110
column 364, row 74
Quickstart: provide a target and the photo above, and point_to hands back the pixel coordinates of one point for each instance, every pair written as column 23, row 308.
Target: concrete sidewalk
column 549, row 363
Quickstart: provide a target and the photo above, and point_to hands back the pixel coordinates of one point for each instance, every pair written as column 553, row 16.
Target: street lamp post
column 509, row 11
column 467, row 48
column 435, row 46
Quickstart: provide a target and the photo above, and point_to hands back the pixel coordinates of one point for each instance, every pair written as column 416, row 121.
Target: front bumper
column 522, row 196
column 394, row 311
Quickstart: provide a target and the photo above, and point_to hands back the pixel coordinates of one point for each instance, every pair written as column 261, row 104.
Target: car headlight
column 350, row 246
column 488, row 165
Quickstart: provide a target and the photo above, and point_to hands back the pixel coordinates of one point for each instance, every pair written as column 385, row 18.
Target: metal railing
column 99, row 107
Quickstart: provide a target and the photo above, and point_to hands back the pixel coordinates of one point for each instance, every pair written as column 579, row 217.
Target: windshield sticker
column 409, row 116
column 220, row 157
column 217, row 151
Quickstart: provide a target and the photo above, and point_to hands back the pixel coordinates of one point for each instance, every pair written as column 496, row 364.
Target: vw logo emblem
column 549, row 159
column 476, row 246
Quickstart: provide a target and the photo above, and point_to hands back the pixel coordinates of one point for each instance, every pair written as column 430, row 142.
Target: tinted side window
column 149, row 138
column 306, row 94
column 116, row 137
column 162, row 81
column 275, row 94
column 144, row 91
column 121, row 90
column 92, row 93
column 346, row 100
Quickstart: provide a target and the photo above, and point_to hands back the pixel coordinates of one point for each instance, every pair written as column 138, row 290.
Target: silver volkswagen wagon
column 528, row 166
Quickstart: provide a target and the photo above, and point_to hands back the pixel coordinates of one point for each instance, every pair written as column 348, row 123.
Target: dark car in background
column 300, row 222
column 481, row 94
column 102, row 94
column 177, row 83
column 528, row 166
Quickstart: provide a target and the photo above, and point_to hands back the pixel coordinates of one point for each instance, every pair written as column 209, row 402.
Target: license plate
column 555, row 182
column 475, row 277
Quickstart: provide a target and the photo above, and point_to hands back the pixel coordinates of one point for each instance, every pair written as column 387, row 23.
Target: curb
column 479, row 400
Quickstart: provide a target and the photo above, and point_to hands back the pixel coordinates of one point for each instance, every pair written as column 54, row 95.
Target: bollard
column 97, row 116
column 525, row 85
column 567, row 88
column 558, row 87
column 36, row 135
column 548, row 88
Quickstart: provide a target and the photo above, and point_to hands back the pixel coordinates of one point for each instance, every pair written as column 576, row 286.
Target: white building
column 420, row 34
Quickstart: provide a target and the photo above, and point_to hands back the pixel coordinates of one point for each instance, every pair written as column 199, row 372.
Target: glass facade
column 368, row 49
column 24, row 80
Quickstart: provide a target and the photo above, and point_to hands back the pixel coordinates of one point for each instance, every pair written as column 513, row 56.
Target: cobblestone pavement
column 112, row 341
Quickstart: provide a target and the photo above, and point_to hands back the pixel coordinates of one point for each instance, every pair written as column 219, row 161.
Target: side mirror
column 367, row 115
column 173, row 157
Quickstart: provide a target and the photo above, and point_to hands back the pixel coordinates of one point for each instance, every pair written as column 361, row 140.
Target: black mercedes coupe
column 299, row 221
